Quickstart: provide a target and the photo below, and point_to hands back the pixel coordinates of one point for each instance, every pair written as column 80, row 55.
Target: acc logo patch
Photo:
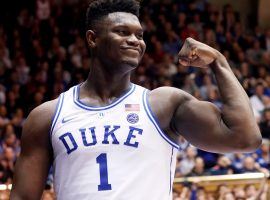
column 133, row 118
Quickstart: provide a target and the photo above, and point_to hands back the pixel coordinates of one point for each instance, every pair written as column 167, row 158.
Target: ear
column 91, row 38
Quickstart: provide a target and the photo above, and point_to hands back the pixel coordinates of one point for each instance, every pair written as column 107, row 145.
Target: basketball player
column 108, row 138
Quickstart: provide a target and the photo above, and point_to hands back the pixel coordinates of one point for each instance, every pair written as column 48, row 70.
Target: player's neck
column 106, row 84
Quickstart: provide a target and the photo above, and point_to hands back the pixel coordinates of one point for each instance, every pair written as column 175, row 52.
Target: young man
column 111, row 139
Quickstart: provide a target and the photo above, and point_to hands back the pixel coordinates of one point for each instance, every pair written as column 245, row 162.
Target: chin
column 131, row 63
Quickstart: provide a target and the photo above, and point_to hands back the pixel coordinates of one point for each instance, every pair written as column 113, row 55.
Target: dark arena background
column 43, row 52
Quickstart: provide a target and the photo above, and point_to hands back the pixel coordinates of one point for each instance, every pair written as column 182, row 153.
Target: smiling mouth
column 131, row 49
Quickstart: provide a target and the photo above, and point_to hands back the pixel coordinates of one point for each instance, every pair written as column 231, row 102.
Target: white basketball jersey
column 115, row 152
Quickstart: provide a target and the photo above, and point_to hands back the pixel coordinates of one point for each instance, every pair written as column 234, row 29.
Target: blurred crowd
column 43, row 52
column 193, row 162
column 224, row 192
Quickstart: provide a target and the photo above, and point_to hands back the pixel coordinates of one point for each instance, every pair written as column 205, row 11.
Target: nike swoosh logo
column 67, row 119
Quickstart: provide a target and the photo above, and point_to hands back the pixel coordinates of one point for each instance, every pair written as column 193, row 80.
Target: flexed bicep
column 201, row 124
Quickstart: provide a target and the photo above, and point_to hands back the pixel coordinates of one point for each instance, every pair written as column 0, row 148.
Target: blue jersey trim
column 171, row 173
column 76, row 92
column 57, row 112
column 153, row 119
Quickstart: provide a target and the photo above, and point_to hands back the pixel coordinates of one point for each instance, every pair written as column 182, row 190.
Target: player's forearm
column 24, row 194
column 26, row 184
column 237, row 113
column 15, row 195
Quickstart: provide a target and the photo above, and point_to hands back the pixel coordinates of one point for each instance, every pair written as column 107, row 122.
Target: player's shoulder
column 42, row 115
column 46, row 109
column 170, row 94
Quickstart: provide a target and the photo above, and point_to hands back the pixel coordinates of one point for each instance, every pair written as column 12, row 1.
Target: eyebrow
column 126, row 26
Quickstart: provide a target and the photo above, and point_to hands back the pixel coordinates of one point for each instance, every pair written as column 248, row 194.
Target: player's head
column 114, row 33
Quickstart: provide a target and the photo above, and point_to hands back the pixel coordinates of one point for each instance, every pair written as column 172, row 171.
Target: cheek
column 109, row 49
column 143, row 46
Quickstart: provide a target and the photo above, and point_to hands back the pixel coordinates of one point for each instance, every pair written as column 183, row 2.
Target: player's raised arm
column 231, row 129
column 33, row 164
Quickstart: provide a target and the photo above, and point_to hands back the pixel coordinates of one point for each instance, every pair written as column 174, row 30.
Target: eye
column 140, row 36
column 122, row 32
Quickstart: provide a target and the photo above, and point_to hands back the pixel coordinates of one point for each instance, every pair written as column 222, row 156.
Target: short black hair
column 97, row 9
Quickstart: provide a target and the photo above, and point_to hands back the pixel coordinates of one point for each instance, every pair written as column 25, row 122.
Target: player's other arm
column 233, row 128
column 33, row 164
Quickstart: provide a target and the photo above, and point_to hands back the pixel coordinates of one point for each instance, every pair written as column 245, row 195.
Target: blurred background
column 43, row 52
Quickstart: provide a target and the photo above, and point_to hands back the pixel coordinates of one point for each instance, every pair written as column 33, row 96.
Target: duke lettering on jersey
column 110, row 137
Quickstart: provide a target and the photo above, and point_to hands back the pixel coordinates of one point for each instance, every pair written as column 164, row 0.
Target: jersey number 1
column 103, row 171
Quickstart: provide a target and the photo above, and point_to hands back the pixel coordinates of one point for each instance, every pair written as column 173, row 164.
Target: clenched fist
column 197, row 54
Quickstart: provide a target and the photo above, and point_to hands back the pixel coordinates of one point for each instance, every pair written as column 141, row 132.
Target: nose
column 133, row 40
